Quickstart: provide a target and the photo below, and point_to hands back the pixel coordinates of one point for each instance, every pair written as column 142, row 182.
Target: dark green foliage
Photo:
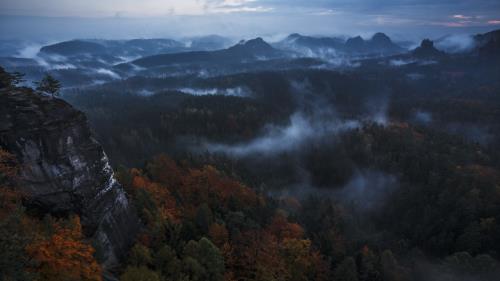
column 445, row 198
column 346, row 271
column 49, row 85
column 139, row 256
column 142, row 273
column 208, row 257
column 13, row 241
column 204, row 218
column 10, row 79
column 167, row 261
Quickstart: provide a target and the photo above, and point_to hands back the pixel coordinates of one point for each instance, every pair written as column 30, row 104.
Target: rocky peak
column 355, row 41
column 355, row 44
column 257, row 44
column 65, row 170
column 427, row 44
column 488, row 43
column 381, row 38
column 427, row 50
column 254, row 47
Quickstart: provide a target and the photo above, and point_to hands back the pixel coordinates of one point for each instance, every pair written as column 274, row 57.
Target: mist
column 279, row 139
column 236, row 92
column 456, row 43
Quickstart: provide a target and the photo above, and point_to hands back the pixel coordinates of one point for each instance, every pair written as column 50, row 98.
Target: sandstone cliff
column 64, row 169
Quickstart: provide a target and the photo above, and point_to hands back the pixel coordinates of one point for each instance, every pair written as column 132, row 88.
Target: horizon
column 60, row 20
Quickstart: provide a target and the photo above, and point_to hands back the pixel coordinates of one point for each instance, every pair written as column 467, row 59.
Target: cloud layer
column 243, row 18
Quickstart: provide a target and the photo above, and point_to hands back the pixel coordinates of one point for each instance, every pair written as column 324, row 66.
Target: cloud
column 129, row 8
column 325, row 12
column 367, row 190
column 30, row 51
column 279, row 139
column 119, row 19
column 108, row 73
column 235, row 6
column 456, row 43
column 237, row 92
column 462, row 17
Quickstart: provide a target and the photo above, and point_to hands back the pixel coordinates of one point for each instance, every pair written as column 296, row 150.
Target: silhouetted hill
column 74, row 47
column 488, row 43
column 379, row 44
column 427, row 50
column 245, row 50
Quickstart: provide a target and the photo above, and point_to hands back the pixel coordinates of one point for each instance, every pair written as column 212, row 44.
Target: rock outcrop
column 64, row 169
column 427, row 50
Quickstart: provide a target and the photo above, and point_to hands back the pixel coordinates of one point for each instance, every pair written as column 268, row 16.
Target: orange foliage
column 180, row 191
column 207, row 185
column 275, row 252
column 160, row 194
column 218, row 234
column 64, row 256
column 282, row 229
column 255, row 255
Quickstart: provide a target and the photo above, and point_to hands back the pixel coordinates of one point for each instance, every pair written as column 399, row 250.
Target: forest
column 309, row 158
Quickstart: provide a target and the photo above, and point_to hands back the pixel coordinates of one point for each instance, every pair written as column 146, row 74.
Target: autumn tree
column 63, row 256
column 218, row 234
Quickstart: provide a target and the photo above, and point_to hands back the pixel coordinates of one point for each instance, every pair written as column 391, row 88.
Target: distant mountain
column 74, row 47
column 488, row 43
column 311, row 42
column 427, row 50
column 246, row 50
column 117, row 48
column 379, row 44
column 254, row 48
column 355, row 44
column 144, row 47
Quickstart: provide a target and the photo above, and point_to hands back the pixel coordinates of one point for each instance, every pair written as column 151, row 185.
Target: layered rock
column 64, row 169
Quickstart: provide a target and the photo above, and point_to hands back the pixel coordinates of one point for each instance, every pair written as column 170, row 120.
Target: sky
column 408, row 19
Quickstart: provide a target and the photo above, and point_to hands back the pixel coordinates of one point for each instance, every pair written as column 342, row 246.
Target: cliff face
column 64, row 169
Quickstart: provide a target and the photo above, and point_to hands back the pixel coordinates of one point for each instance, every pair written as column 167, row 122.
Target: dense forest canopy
column 313, row 158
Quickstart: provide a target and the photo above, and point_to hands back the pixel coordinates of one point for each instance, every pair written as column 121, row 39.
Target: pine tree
column 49, row 85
